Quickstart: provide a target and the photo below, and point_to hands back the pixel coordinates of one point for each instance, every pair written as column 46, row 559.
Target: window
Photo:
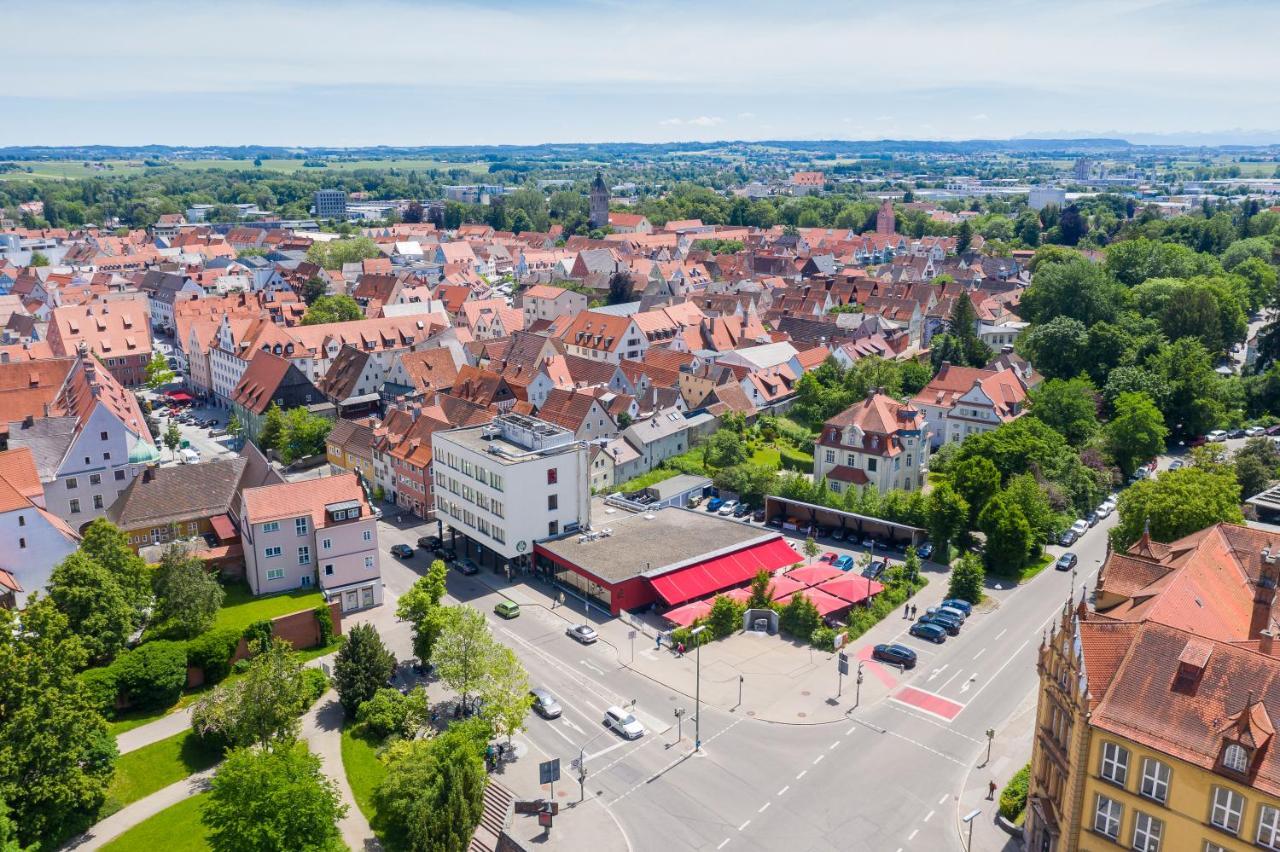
column 368, row 535
column 300, row 525
column 326, row 544
column 1155, row 780
column 1115, row 763
column 368, row 562
column 95, row 479
column 553, row 501
column 495, row 482
column 275, row 573
column 271, row 552
column 1106, row 817
column 106, row 456
column 553, row 476
column 119, row 476
column 366, row 596
column 1235, row 758
column 72, row 483
column 831, row 456
column 496, row 508
column 304, row 556
column 1146, row 832
column 1269, row 828
column 1210, row 846
column 75, row 507
column 1228, row 805
column 102, row 436
column 274, row 526
column 553, row 528
column 328, row 570
column 498, row 535
column 97, row 501
column 22, row 520
column 22, row 544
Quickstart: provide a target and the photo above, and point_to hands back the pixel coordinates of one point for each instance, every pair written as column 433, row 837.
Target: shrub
column 967, row 579
column 257, row 633
column 314, row 684
column 102, row 687
column 152, row 675
column 1013, row 798
column 212, row 652
column 799, row 618
column 685, row 635
column 824, row 639
column 725, row 617
column 389, row 713
column 324, row 621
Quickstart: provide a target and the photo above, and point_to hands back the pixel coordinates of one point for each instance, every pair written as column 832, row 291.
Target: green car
column 507, row 609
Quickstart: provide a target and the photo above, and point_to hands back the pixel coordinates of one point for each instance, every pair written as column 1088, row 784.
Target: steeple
column 885, row 219
column 599, row 202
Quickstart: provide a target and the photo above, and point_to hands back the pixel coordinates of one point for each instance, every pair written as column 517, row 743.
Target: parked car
column 1217, row 436
column 584, row 633
column 468, row 568
column 1198, row 441
column 1236, row 434
column 1068, row 538
column 431, row 542
column 822, row 532
column 960, row 604
column 844, row 563
column 776, row 521
column 1273, row 430
column 929, row 632
column 1095, row 516
column 743, row 509
column 830, row 556
column 401, row 551
column 1080, row 526
column 617, row 719
column 694, row 502
column 951, row 611
column 1255, row 432
column 448, row 554
column 925, row 551
column 869, row 542
column 951, row 625
column 838, row 534
column 728, row 507
column 1066, row 561
column 544, row 703
column 507, row 609
column 898, row 655
column 714, row 504
column 875, row 569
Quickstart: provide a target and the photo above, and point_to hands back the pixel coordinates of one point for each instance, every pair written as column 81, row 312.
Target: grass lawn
column 130, row 719
column 364, row 771
column 144, row 771
column 175, row 829
column 240, row 608
column 1045, row 560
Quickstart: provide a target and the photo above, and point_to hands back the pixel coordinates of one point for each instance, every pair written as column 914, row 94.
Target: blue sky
column 400, row 72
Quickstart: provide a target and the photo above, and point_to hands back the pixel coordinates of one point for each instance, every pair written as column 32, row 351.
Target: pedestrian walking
column 906, row 611
column 657, row 642
column 680, row 649
column 991, row 790
column 913, row 611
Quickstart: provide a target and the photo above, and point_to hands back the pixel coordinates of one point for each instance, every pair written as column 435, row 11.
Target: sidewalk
column 322, row 731
column 152, row 732
column 1010, row 751
column 130, row 815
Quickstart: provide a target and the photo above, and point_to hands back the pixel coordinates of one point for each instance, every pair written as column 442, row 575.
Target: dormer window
column 1235, row 758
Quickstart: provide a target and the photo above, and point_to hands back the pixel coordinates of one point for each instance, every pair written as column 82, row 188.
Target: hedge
column 102, row 688
column 314, row 684
column 152, row 675
column 1013, row 798
column 212, row 652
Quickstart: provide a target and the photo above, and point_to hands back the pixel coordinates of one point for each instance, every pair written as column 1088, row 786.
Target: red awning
column 722, row 572
column 852, row 589
column 686, row 615
column 812, row 575
column 784, row 585
column 178, row 396
column 222, row 527
column 825, row 603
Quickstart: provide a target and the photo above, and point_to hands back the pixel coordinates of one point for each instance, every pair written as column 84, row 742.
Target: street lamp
column 697, row 690
column 969, row 818
column 991, row 735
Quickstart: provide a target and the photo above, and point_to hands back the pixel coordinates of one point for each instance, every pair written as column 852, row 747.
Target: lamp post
column 582, row 765
column 697, row 690
column 969, row 818
column 991, row 735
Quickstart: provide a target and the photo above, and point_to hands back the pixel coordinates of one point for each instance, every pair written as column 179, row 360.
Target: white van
column 189, row 456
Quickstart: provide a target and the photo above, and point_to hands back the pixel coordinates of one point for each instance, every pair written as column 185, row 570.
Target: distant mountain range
column 614, row 150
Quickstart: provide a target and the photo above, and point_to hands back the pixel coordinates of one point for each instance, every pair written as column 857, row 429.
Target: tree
column 620, row 288
column 432, row 795
column 505, row 693
column 172, row 438
column 1070, row 406
column 389, row 713
column 262, row 707
column 964, row 237
column 153, row 675
column 327, row 309
column 1071, row 225
column 977, row 480
column 967, row 579
column 272, row 431
column 799, row 617
column 334, row 253
column 56, row 753
column 419, row 606
column 1010, row 540
column 725, row 617
column 1032, row 499
column 761, row 590
column 465, row 652
column 362, row 667
column 38, row 258
column 104, row 543
column 1176, row 504
column 234, row 427
column 1059, row 348
column 811, row 548
column 313, row 289
column 1252, row 474
column 97, row 609
column 302, row 435
column 8, row 831
column 724, row 448
column 963, row 325
column 188, row 597
column 1073, row 287
column 261, row 801
column 948, row 518
column 413, row 213
column 158, row 372
column 1136, row 431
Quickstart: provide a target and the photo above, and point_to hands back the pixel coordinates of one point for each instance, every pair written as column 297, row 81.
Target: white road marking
column 929, row 749
column 912, row 835
column 593, row 668
column 764, row 807
column 979, row 654
column 851, row 730
column 833, row 745
column 1012, row 657
column 936, row 672
column 607, row 749
column 566, row 737
column 783, row 790
column 722, row 843
column 744, row 825
column 929, row 816
column 968, row 683
column 570, row 723
column 801, row 775
column 948, row 680
column 1002, row 632
column 818, row 759
column 943, row 800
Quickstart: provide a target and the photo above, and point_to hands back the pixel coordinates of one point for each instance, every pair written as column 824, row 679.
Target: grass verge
column 240, row 608
column 364, row 770
column 153, row 767
column 175, row 829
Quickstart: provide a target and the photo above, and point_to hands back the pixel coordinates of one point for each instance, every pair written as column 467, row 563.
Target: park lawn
column 1029, row 571
column 175, row 829
column 364, row 770
column 240, row 608
column 127, row 720
column 153, row 767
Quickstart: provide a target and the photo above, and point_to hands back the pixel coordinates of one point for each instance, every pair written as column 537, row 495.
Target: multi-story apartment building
column 314, row 533
column 963, row 401
column 505, row 485
column 878, row 442
column 544, row 302
column 117, row 332
column 34, row 539
column 331, row 204
column 1157, row 708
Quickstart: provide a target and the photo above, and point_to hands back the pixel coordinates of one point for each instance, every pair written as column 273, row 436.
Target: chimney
column 1264, row 594
column 1266, row 642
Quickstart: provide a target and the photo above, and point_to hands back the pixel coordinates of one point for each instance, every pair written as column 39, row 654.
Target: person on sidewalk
column 906, row 611
column 991, row 791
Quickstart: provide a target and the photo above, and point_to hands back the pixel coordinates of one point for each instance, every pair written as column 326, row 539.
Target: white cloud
column 706, row 121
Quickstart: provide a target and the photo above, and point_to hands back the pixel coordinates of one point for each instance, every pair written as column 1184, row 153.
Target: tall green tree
column 97, row 609
column 1136, row 431
column 158, row 372
column 303, row 435
column 1059, row 348
column 1070, row 406
column 172, row 438
column 948, row 519
column 188, row 596
column 1074, row 287
column 1176, row 504
column 104, row 543
column 419, row 606
column 271, row 434
column 976, row 480
column 967, row 579
column 264, row 801
column 328, row 309
column 621, row 288
column 506, row 694
column 262, row 707
column 465, row 652
column 724, row 448
column 1010, row 540
column 363, row 666
column 432, row 795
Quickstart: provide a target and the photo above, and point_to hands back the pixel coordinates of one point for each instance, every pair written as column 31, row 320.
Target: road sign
column 631, row 634
column 844, row 665
column 544, row 819
column 574, row 763
column 549, row 771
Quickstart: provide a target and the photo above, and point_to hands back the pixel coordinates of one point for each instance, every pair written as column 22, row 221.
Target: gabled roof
column 260, row 381
column 308, row 497
column 430, row 370
column 19, row 481
column 178, row 494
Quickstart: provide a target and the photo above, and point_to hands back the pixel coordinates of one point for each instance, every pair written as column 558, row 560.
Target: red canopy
column 784, row 585
column 689, row 613
column 722, row 572
column 812, row 575
column 825, row 603
column 851, row 589
column 222, row 527
column 178, row 396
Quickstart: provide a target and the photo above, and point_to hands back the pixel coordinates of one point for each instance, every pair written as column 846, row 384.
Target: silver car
column 584, row 633
column 545, row 704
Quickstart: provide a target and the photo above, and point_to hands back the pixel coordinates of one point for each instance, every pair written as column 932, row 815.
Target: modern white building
column 505, row 485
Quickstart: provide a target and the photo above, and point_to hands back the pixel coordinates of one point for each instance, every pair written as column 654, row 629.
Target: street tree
column 948, row 518
column 432, row 795
column 420, row 606
column 506, row 694
column 234, row 427
column 620, row 288
column 363, row 666
column 172, row 438
column 188, row 596
column 259, row 709
column 977, row 480
column 465, row 652
column 1070, row 406
column 1136, row 432
column 272, row 432
column 1176, row 504
column 97, row 609
column 104, row 543
column 811, row 548
column 1010, row 540
column 262, row 801
column 158, row 372
column 967, row 579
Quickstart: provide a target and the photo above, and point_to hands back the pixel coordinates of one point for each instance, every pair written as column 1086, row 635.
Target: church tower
column 884, row 219
column 599, row 203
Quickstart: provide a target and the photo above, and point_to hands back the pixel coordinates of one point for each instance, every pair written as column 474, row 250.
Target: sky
column 412, row 72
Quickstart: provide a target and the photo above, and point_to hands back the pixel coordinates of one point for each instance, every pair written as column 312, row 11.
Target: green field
column 59, row 169
column 240, row 608
column 364, row 770
column 175, row 829
column 148, row 769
